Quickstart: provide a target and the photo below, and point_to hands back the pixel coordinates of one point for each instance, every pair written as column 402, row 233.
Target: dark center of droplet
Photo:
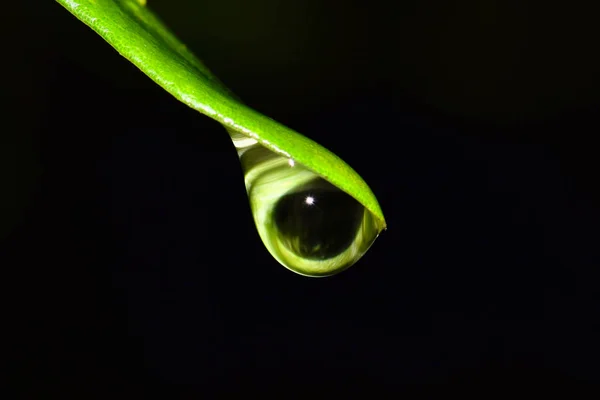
column 317, row 221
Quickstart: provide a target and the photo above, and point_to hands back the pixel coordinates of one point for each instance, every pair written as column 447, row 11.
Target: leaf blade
column 139, row 35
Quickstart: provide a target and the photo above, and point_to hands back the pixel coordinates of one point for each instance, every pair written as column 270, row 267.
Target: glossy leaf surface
column 137, row 34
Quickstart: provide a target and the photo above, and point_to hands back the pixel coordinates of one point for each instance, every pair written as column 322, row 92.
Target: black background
column 129, row 256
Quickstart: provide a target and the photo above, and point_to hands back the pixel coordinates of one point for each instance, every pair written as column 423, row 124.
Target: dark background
column 130, row 259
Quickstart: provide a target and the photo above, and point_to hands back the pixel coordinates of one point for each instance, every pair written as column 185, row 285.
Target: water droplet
column 309, row 225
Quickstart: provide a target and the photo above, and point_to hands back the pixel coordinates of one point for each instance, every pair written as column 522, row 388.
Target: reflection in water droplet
column 310, row 226
column 317, row 229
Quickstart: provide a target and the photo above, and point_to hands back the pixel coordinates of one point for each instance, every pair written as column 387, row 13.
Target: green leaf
column 138, row 35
